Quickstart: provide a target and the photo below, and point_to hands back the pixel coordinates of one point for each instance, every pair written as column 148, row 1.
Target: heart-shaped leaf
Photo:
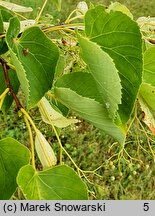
column 13, row 155
column 120, row 37
column 34, row 57
column 58, row 183
column 79, row 92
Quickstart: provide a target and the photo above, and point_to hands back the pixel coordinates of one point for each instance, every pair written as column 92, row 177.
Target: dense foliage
column 114, row 74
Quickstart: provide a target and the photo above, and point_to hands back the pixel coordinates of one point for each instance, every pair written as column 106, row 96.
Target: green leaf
column 60, row 66
column 148, row 118
column 13, row 156
column 149, row 66
column 58, row 183
column 15, row 85
column 44, row 151
column 1, row 23
column 5, row 15
column 147, row 92
column 79, row 92
column 120, row 37
column 34, row 57
column 105, row 74
column 51, row 116
column 14, row 7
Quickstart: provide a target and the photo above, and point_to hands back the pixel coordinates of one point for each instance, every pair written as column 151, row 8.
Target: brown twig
column 8, row 84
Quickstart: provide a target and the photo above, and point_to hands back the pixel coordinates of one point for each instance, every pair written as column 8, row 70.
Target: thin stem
column 31, row 141
column 64, row 27
column 2, row 35
column 2, row 97
column 77, row 17
column 68, row 18
column 59, row 142
column 20, row 15
column 8, row 84
column 41, row 11
column 4, row 93
column 29, row 118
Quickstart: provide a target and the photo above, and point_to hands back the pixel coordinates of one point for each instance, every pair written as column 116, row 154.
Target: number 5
column 146, row 207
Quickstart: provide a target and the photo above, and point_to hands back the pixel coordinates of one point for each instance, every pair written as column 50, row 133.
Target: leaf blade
column 13, row 155
column 105, row 74
column 58, row 183
column 35, row 58
column 120, row 37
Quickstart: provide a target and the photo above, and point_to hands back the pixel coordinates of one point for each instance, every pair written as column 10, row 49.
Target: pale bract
column 15, row 8
column 51, row 116
column 44, row 151
column 82, row 8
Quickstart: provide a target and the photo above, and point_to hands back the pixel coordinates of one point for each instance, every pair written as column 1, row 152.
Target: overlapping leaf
column 79, row 92
column 147, row 90
column 105, row 74
column 34, row 57
column 120, row 37
column 13, row 156
column 58, row 183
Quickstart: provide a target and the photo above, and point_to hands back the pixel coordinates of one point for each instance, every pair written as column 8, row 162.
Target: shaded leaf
column 58, row 183
column 34, row 57
column 15, row 85
column 120, row 37
column 13, row 155
column 51, row 116
column 44, row 151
